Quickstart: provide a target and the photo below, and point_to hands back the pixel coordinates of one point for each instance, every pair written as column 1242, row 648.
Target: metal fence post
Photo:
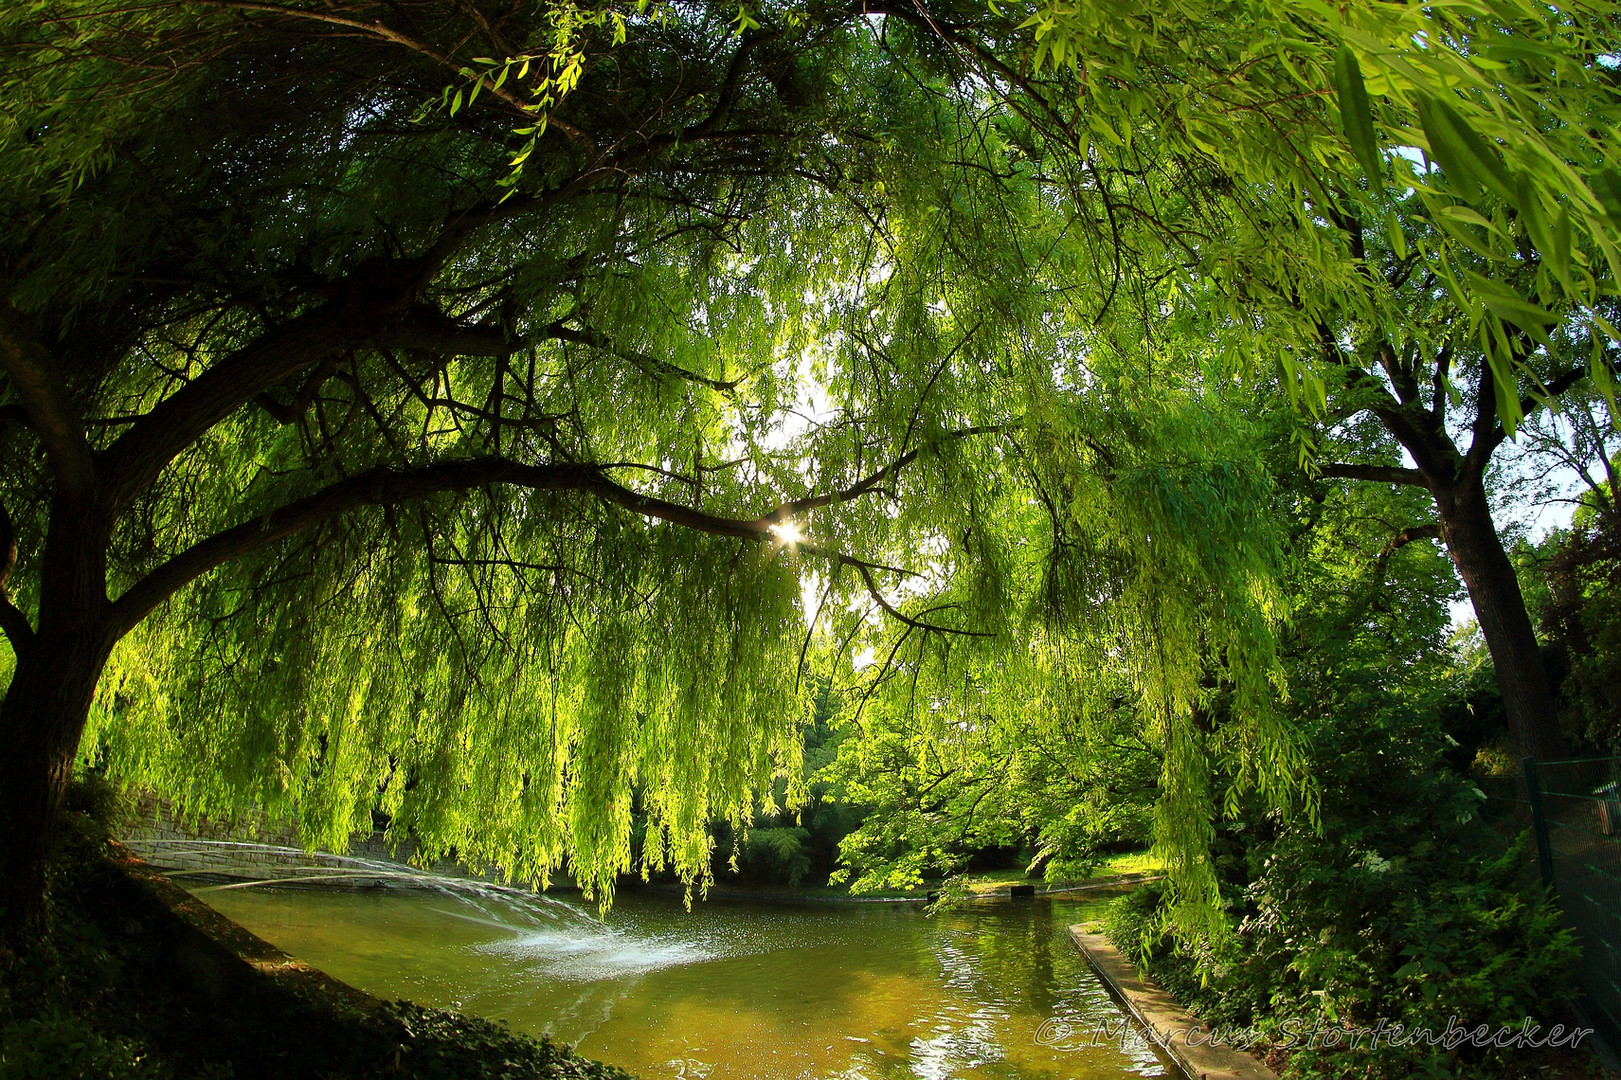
column 1539, row 824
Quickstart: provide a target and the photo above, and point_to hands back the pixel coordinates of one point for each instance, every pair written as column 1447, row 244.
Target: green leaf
column 1607, row 186
column 1552, row 242
column 1356, row 116
column 1510, row 307
column 1398, row 239
column 1470, row 163
column 1500, row 359
column 1466, row 215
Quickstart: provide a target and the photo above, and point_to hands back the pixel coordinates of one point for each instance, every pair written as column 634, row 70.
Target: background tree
column 1431, row 387
column 1471, row 141
column 1571, row 576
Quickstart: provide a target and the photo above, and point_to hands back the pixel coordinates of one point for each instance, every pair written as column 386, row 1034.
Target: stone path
column 1175, row 1030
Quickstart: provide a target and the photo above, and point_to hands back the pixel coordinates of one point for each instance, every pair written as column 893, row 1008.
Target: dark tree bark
column 1473, row 543
column 1456, row 481
column 41, row 720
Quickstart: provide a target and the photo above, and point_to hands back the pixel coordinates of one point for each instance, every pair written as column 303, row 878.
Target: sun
column 788, row 533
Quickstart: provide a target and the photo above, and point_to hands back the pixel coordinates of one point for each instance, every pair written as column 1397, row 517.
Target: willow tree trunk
column 1494, row 589
column 46, row 705
column 41, row 719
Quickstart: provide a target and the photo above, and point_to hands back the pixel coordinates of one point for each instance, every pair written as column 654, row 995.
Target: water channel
column 729, row 991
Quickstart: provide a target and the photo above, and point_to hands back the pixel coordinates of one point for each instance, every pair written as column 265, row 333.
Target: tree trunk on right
column 1477, row 551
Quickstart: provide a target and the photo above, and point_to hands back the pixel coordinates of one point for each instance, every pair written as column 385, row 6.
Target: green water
column 731, row 990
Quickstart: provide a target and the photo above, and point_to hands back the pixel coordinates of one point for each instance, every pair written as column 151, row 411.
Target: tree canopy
column 484, row 414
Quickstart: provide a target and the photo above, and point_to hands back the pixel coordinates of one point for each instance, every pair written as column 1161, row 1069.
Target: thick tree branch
column 374, row 305
column 652, row 365
column 1382, row 474
column 1407, row 536
column 384, row 486
column 33, row 374
column 142, row 452
column 1421, row 434
column 1401, row 376
column 431, row 330
column 1438, row 383
column 1552, row 388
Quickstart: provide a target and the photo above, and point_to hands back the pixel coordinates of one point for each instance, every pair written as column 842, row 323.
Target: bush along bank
column 1402, row 909
column 133, row 979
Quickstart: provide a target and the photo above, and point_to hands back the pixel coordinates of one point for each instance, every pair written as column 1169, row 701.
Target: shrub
column 1404, row 908
column 777, row 855
column 48, row 1047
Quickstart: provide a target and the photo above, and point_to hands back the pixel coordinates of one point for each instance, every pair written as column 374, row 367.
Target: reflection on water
column 745, row 991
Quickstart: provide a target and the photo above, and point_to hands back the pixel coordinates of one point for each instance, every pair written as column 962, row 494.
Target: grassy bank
column 1111, row 871
column 134, row 979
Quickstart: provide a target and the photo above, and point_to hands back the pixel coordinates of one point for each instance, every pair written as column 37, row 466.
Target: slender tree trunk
column 41, row 719
column 1494, row 589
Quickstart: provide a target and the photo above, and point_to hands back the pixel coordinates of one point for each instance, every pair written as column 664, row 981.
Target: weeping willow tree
column 338, row 471
column 349, row 467
column 444, row 407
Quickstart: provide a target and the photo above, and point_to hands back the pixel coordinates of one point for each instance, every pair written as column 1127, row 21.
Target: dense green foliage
column 1406, row 906
column 504, row 553
column 1322, row 117
column 1399, row 903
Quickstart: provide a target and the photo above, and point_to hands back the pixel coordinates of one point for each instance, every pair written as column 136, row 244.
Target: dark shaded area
column 136, row 978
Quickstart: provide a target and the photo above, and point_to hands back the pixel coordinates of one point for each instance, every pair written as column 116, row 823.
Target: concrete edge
column 215, row 957
column 1173, row 1029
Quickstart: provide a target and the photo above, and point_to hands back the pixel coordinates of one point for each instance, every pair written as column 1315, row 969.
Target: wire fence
column 1573, row 809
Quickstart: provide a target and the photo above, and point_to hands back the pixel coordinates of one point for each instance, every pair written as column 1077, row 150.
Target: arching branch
column 384, row 486
column 374, row 307
column 865, row 570
column 1381, row 474
column 33, row 374
column 1432, row 531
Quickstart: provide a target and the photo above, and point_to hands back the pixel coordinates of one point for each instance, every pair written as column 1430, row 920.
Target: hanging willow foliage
column 1135, row 518
column 419, row 484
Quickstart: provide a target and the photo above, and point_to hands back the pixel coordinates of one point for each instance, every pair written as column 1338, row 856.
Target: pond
column 729, row 991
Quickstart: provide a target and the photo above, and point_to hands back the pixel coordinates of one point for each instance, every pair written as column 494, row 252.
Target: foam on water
column 610, row 954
